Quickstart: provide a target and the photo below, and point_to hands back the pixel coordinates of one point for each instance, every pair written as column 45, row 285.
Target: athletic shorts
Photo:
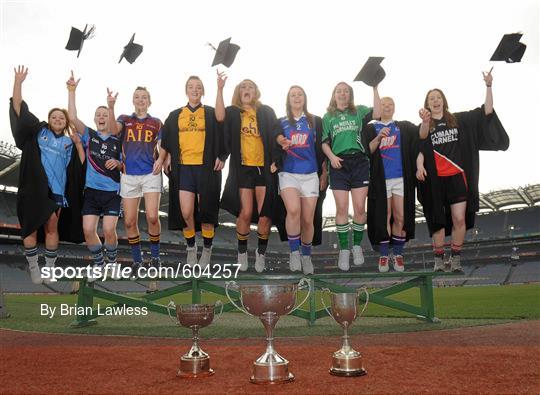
column 354, row 173
column 100, row 203
column 250, row 177
column 394, row 186
column 189, row 178
column 306, row 184
column 454, row 188
column 137, row 186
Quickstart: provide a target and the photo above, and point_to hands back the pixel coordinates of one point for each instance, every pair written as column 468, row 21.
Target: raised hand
column 425, row 115
column 20, row 73
column 488, row 78
column 75, row 137
column 71, row 82
column 111, row 99
column 221, row 79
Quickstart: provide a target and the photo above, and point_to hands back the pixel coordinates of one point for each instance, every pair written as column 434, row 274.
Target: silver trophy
column 196, row 363
column 346, row 361
column 268, row 302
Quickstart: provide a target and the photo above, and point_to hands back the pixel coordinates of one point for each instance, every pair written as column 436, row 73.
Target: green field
column 455, row 306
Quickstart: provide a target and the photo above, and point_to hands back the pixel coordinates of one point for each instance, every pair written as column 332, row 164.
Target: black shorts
column 189, row 178
column 454, row 188
column 354, row 173
column 96, row 202
column 250, row 177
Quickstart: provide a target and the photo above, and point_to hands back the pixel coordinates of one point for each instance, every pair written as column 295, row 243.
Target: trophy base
column 271, row 374
column 195, row 367
column 347, row 367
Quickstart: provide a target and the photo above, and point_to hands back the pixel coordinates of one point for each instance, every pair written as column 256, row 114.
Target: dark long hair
column 290, row 116
column 448, row 116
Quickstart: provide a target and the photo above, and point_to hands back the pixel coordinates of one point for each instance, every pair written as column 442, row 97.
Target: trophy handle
column 220, row 303
column 326, row 290
column 234, row 284
column 170, row 306
column 359, row 291
column 302, row 281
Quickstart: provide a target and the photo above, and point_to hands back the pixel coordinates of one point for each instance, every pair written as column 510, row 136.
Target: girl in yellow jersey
column 250, row 189
column 191, row 135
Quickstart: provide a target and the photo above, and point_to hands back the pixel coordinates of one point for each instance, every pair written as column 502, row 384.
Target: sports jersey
column 390, row 149
column 55, row 156
column 100, row 147
column 301, row 158
column 251, row 145
column 445, row 141
column 191, row 135
column 139, row 139
column 343, row 130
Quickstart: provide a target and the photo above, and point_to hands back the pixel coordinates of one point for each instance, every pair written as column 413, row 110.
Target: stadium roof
column 492, row 201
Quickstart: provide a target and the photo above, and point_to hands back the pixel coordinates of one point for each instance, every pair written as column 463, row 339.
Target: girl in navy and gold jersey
column 250, row 189
column 191, row 136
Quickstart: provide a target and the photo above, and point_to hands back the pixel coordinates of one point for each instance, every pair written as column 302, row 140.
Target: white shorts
column 137, row 186
column 306, row 184
column 394, row 186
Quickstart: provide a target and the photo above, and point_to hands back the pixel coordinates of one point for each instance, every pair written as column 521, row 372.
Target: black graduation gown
column 207, row 209
column 377, row 199
column 34, row 198
column 317, row 219
column 477, row 131
column 268, row 126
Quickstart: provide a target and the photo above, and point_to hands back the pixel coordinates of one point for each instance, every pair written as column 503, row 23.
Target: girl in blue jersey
column 47, row 150
column 298, row 176
column 101, row 194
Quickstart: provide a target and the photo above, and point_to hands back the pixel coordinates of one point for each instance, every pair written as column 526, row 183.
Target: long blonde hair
column 236, row 100
column 332, row 106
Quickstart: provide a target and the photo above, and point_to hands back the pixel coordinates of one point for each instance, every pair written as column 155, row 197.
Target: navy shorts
column 454, row 188
column 354, row 173
column 189, row 178
column 96, row 202
column 250, row 177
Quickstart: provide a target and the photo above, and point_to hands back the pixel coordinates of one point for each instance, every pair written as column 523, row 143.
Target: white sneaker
column 307, row 265
column 343, row 260
column 384, row 264
column 259, row 262
column 191, row 259
column 35, row 274
column 206, row 254
column 295, row 264
column 243, row 261
column 358, row 255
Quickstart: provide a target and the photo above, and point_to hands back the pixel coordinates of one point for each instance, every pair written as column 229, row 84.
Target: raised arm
column 111, row 101
column 488, row 104
column 71, row 85
column 425, row 115
column 78, row 145
column 20, row 75
column 376, row 103
column 220, row 104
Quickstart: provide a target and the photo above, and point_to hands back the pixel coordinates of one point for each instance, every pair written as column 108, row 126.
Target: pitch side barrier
column 421, row 280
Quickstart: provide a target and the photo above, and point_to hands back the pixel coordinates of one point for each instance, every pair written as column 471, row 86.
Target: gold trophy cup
column 196, row 363
column 268, row 302
column 346, row 361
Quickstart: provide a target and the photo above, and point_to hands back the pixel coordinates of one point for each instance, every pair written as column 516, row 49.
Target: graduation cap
column 372, row 73
column 76, row 38
column 131, row 51
column 509, row 49
column 225, row 53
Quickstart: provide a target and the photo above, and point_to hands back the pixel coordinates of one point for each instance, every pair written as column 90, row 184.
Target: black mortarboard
column 225, row 53
column 131, row 51
column 509, row 49
column 76, row 38
column 372, row 73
